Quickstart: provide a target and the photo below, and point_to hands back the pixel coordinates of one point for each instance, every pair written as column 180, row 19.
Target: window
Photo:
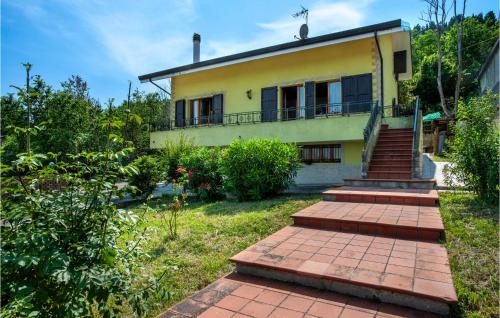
column 201, row 111
column 328, row 97
column 292, row 102
column 321, row 153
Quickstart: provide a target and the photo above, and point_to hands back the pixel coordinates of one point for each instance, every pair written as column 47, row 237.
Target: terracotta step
column 392, row 183
column 391, row 161
column 393, row 147
column 237, row 295
column 386, row 141
column 399, row 221
column 421, row 197
column 395, row 143
column 398, row 150
column 391, row 155
column 399, row 130
column 402, row 272
column 389, row 175
column 386, row 167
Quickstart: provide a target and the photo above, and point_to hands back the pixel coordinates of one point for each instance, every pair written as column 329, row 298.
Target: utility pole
column 27, row 66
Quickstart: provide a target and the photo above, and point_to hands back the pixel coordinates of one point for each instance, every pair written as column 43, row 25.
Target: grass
column 472, row 241
column 209, row 233
column 440, row 159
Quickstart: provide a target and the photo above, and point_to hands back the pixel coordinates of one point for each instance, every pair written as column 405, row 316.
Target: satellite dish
column 304, row 30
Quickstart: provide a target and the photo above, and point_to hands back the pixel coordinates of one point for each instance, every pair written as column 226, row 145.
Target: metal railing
column 371, row 122
column 282, row 114
column 400, row 110
column 417, row 127
column 370, row 136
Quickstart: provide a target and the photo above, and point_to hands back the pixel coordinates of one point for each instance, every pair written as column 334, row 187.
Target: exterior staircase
column 370, row 249
column 392, row 157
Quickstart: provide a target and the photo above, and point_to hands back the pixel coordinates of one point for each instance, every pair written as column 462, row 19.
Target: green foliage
column 145, row 113
column 148, row 174
column 172, row 152
column 259, row 168
column 204, row 177
column 479, row 35
column 471, row 226
column 59, row 245
column 71, row 119
column 475, row 146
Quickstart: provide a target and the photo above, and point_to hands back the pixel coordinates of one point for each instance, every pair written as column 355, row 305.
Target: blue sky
column 111, row 42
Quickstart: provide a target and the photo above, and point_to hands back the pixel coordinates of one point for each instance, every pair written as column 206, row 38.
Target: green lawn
column 472, row 243
column 209, row 233
column 440, row 159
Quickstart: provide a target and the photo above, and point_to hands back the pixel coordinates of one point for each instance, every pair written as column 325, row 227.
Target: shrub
column 259, row 168
column 475, row 146
column 171, row 153
column 148, row 174
column 204, row 178
column 60, row 248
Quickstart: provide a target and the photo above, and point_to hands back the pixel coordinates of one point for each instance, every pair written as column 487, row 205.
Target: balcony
column 282, row 114
column 318, row 124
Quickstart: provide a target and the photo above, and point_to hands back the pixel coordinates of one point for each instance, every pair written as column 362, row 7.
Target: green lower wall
column 398, row 122
column 347, row 131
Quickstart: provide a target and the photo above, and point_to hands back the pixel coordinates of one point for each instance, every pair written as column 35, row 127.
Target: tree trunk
column 439, row 75
column 459, row 26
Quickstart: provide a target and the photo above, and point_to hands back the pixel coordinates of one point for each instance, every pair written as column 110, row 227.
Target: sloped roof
column 263, row 52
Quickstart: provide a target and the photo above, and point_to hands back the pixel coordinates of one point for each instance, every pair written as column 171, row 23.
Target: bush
column 259, row 168
column 475, row 146
column 148, row 174
column 203, row 175
column 61, row 255
column 171, row 153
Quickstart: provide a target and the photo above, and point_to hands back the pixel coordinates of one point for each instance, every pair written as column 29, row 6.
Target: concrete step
column 399, row 221
column 390, row 161
column 388, row 167
column 395, row 137
column 396, row 271
column 392, row 183
column 238, row 295
column 421, row 197
column 389, row 175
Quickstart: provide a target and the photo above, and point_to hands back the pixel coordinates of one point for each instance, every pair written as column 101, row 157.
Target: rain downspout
column 381, row 73
column 161, row 88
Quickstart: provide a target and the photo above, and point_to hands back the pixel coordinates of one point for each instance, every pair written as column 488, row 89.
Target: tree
column 479, row 35
column 475, row 146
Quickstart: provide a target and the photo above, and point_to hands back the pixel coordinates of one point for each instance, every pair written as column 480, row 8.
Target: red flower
column 190, row 173
column 181, row 170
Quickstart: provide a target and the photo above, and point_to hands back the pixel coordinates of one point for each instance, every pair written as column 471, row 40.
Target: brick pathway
column 341, row 259
column 239, row 296
column 401, row 221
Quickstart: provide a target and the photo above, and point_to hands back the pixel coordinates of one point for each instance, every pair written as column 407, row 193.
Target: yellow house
column 323, row 93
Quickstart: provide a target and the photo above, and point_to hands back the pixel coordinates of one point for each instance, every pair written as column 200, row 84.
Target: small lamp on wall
column 249, row 94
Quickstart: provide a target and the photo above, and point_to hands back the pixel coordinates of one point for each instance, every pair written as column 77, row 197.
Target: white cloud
column 138, row 38
column 324, row 17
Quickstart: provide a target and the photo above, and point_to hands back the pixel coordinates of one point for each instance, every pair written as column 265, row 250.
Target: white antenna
column 304, row 29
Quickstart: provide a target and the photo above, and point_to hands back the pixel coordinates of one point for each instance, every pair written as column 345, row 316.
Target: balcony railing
column 282, row 114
